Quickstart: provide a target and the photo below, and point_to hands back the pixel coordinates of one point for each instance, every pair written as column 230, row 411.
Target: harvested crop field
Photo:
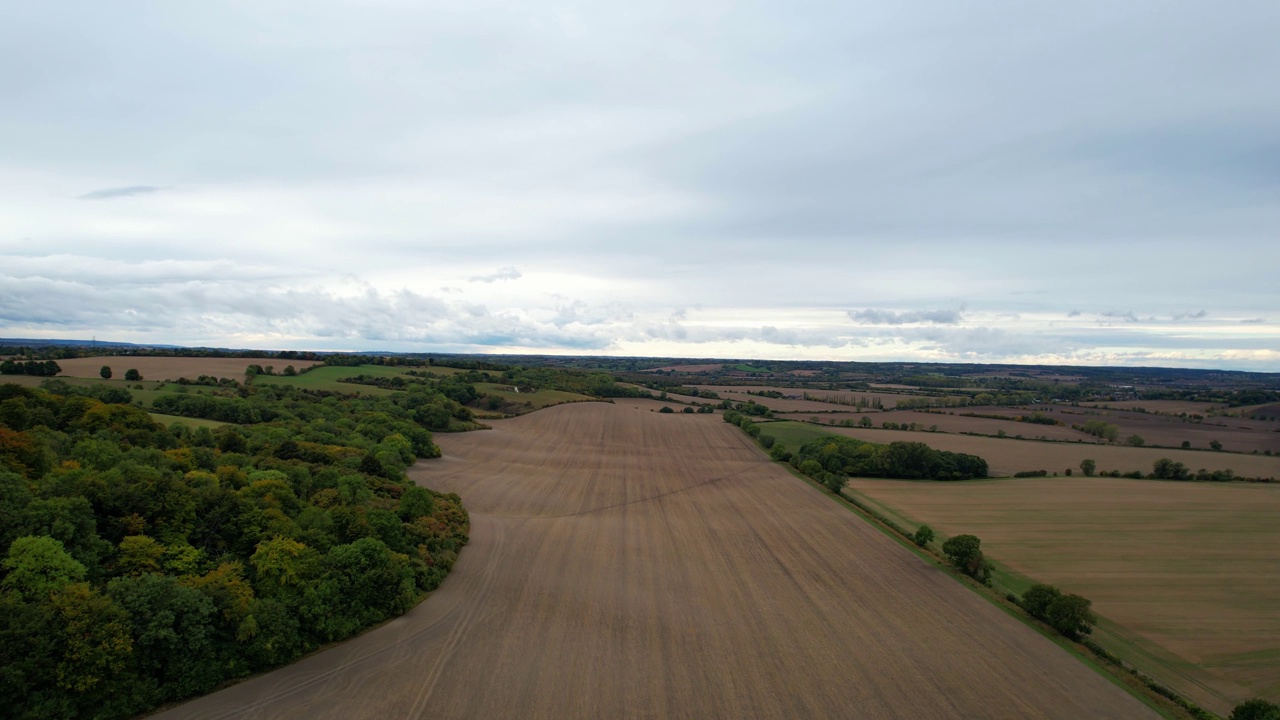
column 625, row 563
column 1007, row 455
column 834, row 399
column 1187, row 571
column 172, row 368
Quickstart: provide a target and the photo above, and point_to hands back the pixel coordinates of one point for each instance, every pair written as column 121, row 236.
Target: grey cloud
column 889, row 317
column 1126, row 315
column 1253, row 321
column 1179, row 317
column 506, row 273
column 120, row 192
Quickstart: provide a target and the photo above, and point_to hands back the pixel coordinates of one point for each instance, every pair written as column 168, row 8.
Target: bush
column 687, row 409
column 1031, row 473
column 767, row 441
column 666, row 409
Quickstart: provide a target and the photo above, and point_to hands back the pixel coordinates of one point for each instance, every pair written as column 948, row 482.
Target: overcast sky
column 1082, row 182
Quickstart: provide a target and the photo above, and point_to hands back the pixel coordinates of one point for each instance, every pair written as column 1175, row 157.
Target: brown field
column 1186, row 572
column 739, row 392
column 958, row 423
column 1165, row 407
column 1007, row 455
column 1235, row 434
column 632, row 564
column 690, row 368
column 172, row 368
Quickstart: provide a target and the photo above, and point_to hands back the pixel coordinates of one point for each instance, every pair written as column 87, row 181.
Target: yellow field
column 1186, row 573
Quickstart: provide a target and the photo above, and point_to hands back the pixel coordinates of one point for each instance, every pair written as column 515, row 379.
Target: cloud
column 1126, row 315
column 1253, row 321
column 120, row 192
column 506, row 273
column 1073, row 313
column 1179, row 317
column 889, row 317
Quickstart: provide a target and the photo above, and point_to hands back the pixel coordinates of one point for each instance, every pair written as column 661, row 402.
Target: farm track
column 626, row 563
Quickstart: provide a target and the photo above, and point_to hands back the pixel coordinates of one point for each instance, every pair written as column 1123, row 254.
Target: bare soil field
column 1235, row 434
column 887, row 400
column 1165, row 407
column 1186, row 571
column 986, row 426
column 172, row 368
column 1007, row 455
column 633, row 564
column 690, row 368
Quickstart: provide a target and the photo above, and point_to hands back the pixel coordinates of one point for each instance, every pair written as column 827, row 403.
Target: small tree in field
column 834, row 482
column 924, row 535
column 1215, row 445
column 132, row 375
column 105, row 372
column 964, row 551
column 1088, row 467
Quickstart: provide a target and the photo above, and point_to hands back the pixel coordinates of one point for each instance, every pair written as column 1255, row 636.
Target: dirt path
column 634, row 564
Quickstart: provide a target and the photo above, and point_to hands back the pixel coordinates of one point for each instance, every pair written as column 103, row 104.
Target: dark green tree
column 132, row 375
column 1256, row 709
column 105, row 372
column 924, row 535
column 1088, row 467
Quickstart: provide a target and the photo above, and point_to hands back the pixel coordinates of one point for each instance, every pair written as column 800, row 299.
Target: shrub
column 666, row 409
column 767, row 441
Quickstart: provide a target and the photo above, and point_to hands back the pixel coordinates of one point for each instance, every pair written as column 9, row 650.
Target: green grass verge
column 168, row 420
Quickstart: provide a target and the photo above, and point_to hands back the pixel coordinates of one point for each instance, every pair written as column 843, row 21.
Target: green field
column 743, row 367
column 326, row 378
column 531, row 400
column 168, row 420
column 791, row 433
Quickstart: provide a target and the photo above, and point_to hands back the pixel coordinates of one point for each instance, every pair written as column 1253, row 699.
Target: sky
column 1091, row 183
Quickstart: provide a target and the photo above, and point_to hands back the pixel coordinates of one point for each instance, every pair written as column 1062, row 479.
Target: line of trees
column 38, row 368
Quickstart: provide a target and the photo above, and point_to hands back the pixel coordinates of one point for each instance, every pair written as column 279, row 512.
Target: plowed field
column 172, row 368
column 626, row 563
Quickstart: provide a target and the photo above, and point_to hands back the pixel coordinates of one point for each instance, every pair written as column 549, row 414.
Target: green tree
column 1256, row 709
column 924, row 535
column 835, row 482
column 1037, row 599
column 173, row 631
column 37, row 566
column 139, row 554
column 666, row 409
column 1088, row 467
column 94, row 652
column 105, row 372
column 1135, row 440
column 132, row 375
column 1071, row 615
column 965, row 552
column 1166, row 469
column 1215, row 445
